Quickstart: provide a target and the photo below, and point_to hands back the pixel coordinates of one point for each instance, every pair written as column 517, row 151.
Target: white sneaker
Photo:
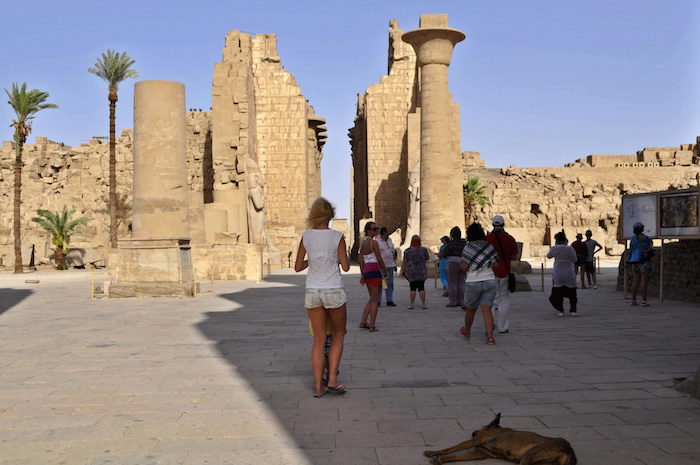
column 560, row 314
column 573, row 313
column 595, row 287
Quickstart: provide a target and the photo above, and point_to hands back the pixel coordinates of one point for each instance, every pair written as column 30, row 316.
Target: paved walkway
column 224, row 379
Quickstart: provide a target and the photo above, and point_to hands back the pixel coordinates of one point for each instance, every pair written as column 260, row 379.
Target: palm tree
column 474, row 194
column 113, row 67
column 26, row 104
column 61, row 230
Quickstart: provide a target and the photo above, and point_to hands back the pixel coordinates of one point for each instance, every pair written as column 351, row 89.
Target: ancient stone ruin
column 251, row 169
column 390, row 143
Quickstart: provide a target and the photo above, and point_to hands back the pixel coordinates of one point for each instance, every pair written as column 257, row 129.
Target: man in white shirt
column 386, row 247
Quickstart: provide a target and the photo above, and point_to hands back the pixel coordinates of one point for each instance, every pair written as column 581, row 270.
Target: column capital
column 433, row 45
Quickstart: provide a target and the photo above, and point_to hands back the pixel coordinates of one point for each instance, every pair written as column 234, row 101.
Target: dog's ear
column 496, row 421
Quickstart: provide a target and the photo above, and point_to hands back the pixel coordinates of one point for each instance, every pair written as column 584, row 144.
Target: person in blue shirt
column 639, row 256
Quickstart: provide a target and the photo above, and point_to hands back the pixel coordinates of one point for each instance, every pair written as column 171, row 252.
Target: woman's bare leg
column 469, row 318
column 317, row 316
column 338, row 318
column 635, row 286
column 422, row 297
column 374, row 294
column 412, row 298
column 488, row 319
column 365, row 311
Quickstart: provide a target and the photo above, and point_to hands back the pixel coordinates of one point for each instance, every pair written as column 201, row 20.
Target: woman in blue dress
column 443, row 266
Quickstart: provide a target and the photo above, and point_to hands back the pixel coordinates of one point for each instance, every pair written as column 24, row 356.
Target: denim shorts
column 478, row 293
column 326, row 298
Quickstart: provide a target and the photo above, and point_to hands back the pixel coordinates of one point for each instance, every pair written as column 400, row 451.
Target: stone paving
column 224, row 379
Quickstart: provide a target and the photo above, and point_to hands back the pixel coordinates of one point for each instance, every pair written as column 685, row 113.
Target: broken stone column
column 441, row 199
column 157, row 260
column 160, row 205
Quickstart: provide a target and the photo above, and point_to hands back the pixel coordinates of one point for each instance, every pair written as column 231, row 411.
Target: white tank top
column 370, row 257
column 322, row 251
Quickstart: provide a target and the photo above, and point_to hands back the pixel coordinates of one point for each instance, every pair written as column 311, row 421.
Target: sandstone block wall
column 538, row 202
column 380, row 159
column 55, row 175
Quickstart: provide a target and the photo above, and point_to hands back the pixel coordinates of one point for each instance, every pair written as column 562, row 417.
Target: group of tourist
column 321, row 251
column 580, row 257
column 475, row 273
column 585, row 259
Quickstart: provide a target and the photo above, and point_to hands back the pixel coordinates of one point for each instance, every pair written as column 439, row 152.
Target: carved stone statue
column 256, row 203
column 413, row 221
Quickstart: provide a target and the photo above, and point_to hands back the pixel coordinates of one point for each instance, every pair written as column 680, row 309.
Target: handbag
column 511, row 281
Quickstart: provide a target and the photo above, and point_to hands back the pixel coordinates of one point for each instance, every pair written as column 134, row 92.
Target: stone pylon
column 441, row 198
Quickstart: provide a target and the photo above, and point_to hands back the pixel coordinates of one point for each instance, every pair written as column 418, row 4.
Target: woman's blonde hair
column 321, row 212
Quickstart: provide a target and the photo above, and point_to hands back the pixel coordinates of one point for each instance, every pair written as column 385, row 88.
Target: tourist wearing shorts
column 373, row 271
column 478, row 258
column 563, row 274
column 414, row 270
column 639, row 257
column 325, row 297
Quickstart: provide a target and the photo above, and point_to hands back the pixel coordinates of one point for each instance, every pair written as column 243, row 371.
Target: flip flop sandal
column 364, row 326
column 372, row 329
column 490, row 341
column 339, row 389
column 463, row 331
column 323, row 393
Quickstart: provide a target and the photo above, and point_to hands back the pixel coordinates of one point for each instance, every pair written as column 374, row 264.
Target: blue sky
column 540, row 83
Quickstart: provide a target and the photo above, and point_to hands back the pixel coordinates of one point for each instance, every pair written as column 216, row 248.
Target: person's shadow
column 11, row 297
column 267, row 343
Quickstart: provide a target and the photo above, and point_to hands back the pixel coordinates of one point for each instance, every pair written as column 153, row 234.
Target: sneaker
column 634, row 303
column 573, row 313
column 390, row 304
column 560, row 314
column 504, row 332
column 595, row 287
column 646, row 304
column 444, row 294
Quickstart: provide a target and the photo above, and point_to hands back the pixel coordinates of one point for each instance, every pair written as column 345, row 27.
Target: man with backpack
column 507, row 250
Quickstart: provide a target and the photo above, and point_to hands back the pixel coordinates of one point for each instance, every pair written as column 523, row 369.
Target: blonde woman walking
column 325, row 296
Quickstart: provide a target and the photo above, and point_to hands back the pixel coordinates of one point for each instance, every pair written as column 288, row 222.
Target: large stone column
column 160, row 205
column 441, row 199
column 157, row 260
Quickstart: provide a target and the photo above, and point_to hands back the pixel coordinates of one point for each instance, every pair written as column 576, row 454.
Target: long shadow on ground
column 269, row 347
column 11, row 297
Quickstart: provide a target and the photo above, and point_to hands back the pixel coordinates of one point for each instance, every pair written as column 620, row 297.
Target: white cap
column 498, row 221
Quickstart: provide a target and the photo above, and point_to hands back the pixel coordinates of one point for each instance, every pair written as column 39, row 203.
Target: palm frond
column 114, row 67
column 26, row 104
column 58, row 225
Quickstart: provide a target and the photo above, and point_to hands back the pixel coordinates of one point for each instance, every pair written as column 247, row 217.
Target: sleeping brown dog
column 522, row 447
